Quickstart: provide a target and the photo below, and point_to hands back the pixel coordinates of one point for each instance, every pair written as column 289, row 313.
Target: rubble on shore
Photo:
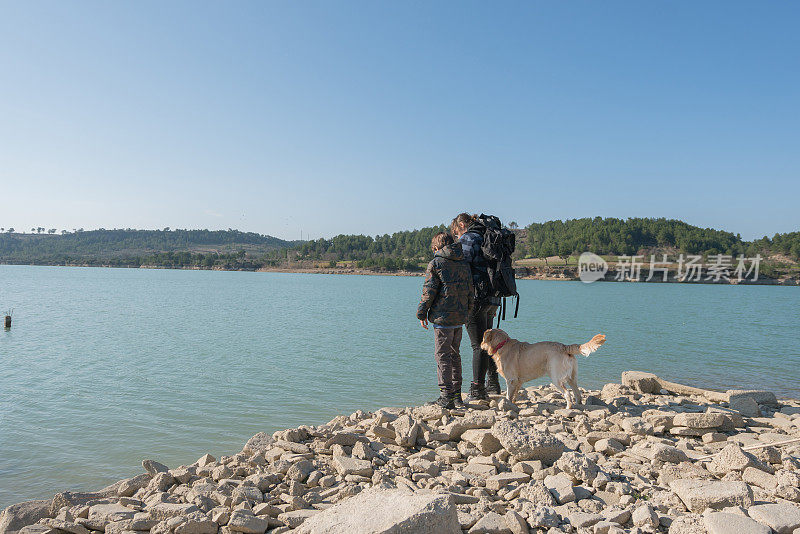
column 634, row 458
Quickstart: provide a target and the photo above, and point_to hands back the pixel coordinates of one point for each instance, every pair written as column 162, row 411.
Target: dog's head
column 492, row 338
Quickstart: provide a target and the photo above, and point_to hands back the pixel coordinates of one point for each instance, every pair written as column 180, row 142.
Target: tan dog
column 519, row 362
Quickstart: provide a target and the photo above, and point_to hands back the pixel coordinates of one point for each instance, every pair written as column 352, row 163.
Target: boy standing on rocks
column 446, row 302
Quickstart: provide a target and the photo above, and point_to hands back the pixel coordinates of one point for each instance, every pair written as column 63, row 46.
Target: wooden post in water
column 8, row 321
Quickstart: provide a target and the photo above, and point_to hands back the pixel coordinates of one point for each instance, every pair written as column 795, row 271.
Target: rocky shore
column 634, row 458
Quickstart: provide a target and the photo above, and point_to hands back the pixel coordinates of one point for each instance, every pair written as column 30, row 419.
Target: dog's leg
column 513, row 388
column 574, row 383
column 560, row 386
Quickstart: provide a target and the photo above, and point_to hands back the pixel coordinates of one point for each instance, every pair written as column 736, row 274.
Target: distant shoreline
column 558, row 274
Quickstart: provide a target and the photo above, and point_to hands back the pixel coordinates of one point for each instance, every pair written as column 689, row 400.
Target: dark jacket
column 447, row 292
column 471, row 243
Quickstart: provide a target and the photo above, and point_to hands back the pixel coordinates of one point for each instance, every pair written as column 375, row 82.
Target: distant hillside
column 626, row 236
column 606, row 236
column 406, row 250
column 202, row 248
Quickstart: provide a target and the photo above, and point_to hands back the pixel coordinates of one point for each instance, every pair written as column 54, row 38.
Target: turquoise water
column 105, row 367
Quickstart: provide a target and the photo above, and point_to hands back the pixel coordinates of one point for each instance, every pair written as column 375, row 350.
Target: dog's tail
column 588, row 347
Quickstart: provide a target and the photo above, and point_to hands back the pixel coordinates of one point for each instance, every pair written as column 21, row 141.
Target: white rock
column 245, row 521
column 578, row 466
column 166, row 510
column 483, row 440
column 490, row 523
column 18, row 515
column 515, row 522
column 698, row 495
column 296, row 518
column 746, row 406
column 197, row 526
column 644, row 515
column 524, row 442
column 584, row 519
column 783, row 518
column 641, row 381
column 352, row 466
column 699, row 420
column 377, row 511
column 725, row 523
column 667, row 453
column 153, row 467
column 759, row 395
column 560, row 487
column 759, row 478
column 542, row 517
column 110, row 512
column 501, row 480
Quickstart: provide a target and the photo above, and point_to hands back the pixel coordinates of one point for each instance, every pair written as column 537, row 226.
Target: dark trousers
column 479, row 321
column 448, row 360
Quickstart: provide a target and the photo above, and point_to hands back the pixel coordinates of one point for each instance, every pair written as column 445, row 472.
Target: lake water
column 105, row 367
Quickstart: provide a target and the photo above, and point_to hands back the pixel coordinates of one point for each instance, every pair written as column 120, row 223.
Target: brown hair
column 441, row 240
column 465, row 218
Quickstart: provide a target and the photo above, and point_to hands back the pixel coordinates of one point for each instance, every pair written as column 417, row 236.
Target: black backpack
column 498, row 246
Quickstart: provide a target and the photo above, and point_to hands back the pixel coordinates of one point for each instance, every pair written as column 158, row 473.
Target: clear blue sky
column 371, row 117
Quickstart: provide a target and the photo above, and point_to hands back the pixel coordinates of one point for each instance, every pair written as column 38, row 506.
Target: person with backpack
column 487, row 247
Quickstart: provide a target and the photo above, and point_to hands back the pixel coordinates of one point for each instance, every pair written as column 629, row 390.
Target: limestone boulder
column 727, row 523
column 641, row 381
column 537, row 492
column 378, row 511
column 560, row 487
column 698, row 495
column 167, row 510
column 746, row 406
column 666, row 453
column 65, row 526
column 760, row 396
column 783, row 518
column 259, row 443
column 578, row 466
column 352, row 466
column 542, row 516
column 152, row 467
column 483, row 439
column 699, row 420
column 25, row 513
column 110, row 512
column 247, row 522
column 733, row 458
column 471, row 421
column 491, row 523
column 524, row 442
column 296, row 518
column 406, row 430
column 131, row 485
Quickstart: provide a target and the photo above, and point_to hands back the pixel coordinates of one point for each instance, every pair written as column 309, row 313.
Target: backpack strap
column 516, row 308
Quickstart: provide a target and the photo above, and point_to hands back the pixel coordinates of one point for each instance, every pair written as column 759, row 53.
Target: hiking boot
column 492, row 383
column 444, row 401
column 477, row 393
column 458, row 404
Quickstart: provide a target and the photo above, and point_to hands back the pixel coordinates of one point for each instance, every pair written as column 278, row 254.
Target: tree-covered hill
column 400, row 250
column 407, row 250
column 136, row 247
column 626, row 236
column 607, row 236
